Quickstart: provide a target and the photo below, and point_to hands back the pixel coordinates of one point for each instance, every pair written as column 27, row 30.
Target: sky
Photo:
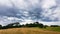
column 29, row 11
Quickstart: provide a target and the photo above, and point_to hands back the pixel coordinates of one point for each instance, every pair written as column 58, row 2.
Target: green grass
column 53, row 29
column 57, row 29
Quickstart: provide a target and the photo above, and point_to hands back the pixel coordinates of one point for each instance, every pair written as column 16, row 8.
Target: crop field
column 48, row 30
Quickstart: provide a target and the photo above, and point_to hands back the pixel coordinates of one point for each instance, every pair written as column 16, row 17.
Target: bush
column 54, row 26
column 45, row 26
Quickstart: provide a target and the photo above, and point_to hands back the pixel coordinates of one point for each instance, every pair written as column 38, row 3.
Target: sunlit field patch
column 28, row 31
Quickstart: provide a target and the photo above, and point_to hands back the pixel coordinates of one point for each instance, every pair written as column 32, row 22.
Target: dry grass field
column 27, row 31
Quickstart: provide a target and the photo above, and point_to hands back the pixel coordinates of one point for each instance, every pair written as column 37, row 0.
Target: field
column 53, row 29
column 48, row 30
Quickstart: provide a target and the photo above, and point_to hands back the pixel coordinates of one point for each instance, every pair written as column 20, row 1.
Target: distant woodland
column 18, row 25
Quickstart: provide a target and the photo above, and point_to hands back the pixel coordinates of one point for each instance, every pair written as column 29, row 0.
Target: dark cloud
column 30, row 9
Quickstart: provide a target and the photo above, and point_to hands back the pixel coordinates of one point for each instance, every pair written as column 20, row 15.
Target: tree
column 41, row 25
column 0, row 26
column 45, row 26
column 54, row 26
column 35, row 24
column 12, row 25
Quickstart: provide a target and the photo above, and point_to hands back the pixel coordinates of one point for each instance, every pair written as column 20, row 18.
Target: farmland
column 32, row 30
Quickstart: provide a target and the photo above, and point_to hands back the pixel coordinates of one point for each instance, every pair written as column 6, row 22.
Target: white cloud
column 51, row 10
column 5, row 2
column 4, row 20
column 48, row 3
column 27, row 21
column 25, row 6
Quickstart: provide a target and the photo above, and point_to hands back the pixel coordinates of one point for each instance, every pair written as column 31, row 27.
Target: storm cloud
column 44, row 11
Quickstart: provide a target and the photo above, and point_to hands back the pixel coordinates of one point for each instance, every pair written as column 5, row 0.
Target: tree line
column 18, row 25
